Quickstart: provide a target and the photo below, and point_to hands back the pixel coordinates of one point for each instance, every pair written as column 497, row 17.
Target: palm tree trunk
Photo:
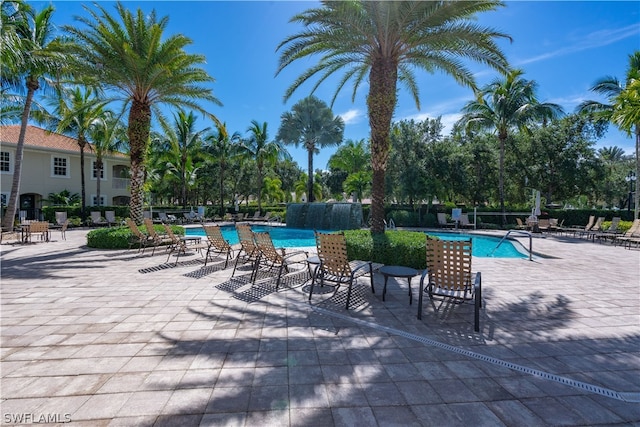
column 310, row 195
column 381, row 103
column 502, row 139
column 636, row 198
column 221, row 189
column 98, row 171
column 138, row 133
column 82, row 142
column 12, row 204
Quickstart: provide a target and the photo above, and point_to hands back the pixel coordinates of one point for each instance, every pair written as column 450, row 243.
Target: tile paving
column 109, row 338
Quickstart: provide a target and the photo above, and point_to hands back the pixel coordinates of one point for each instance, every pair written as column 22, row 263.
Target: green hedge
column 407, row 248
column 120, row 237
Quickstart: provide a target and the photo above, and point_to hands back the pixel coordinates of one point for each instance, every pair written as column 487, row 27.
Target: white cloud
column 351, row 116
column 590, row 41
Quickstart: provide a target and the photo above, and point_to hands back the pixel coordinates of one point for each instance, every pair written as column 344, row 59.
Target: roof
column 41, row 138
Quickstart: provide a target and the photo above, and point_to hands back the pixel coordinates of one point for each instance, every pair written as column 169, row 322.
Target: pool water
column 283, row 237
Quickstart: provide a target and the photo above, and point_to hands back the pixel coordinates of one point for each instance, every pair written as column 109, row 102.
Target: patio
column 107, row 338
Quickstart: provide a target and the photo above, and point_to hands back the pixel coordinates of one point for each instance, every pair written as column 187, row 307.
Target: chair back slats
column 247, row 241
column 449, row 264
column 266, row 247
column 215, row 237
column 332, row 251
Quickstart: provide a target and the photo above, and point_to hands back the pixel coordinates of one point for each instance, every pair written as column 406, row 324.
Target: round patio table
column 398, row 271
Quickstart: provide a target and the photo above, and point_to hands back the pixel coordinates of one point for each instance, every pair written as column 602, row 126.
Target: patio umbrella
column 537, row 209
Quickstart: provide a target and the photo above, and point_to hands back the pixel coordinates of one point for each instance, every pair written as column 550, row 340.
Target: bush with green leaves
column 398, row 247
column 119, row 237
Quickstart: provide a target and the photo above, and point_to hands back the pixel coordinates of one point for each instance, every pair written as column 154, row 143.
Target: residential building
column 51, row 164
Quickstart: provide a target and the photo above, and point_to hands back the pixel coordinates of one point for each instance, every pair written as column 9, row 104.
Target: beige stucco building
column 51, row 164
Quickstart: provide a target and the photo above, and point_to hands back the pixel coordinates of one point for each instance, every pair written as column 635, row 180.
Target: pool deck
column 109, row 338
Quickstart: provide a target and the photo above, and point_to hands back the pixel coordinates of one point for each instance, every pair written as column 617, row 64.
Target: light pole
column 630, row 178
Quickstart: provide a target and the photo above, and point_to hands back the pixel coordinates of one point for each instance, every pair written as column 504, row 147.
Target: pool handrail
column 521, row 233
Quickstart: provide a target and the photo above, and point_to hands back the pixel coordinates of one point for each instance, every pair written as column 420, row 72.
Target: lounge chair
column 61, row 217
column 577, row 229
column 442, row 221
column 335, row 265
column 138, row 237
column 464, row 222
column 544, row 224
column 217, row 243
column 156, row 239
column 520, row 225
column 269, row 257
column 597, row 228
column 110, row 217
column 97, row 220
column 179, row 245
column 248, row 248
column 610, row 232
column 166, row 219
column 448, row 275
column 630, row 236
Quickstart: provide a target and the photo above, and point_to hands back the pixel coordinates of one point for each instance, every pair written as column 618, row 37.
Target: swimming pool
column 283, row 237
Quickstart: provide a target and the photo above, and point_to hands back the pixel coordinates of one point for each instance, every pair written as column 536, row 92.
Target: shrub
column 407, row 248
column 119, row 237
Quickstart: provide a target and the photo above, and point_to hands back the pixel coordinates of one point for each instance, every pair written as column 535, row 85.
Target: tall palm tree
column 503, row 105
column 263, row 151
column 387, row 41
column 108, row 135
column 312, row 124
column 623, row 109
column 223, row 147
column 181, row 145
column 351, row 157
column 130, row 56
column 39, row 57
column 75, row 110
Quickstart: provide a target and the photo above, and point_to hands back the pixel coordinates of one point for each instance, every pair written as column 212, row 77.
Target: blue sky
column 565, row 46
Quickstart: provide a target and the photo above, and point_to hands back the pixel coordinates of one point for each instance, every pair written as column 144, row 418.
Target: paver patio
column 94, row 337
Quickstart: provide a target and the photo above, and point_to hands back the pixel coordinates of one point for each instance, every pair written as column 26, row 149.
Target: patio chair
column 110, row 217
column 63, row 229
column 610, row 232
column 156, row 239
column 248, row 248
column 97, row 220
column 577, row 229
column 464, row 221
column 138, row 237
column 442, row 221
column 168, row 219
column 520, row 225
column 217, row 243
column 448, row 275
column 270, row 257
column 629, row 236
column 335, row 265
column 61, row 217
column 597, row 228
column 37, row 228
column 178, row 244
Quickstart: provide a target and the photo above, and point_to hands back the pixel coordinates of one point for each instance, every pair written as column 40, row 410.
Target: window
column 60, row 166
column 4, row 199
column 94, row 200
column 94, row 173
column 5, row 161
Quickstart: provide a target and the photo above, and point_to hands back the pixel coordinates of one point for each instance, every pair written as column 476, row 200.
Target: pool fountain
column 324, row 216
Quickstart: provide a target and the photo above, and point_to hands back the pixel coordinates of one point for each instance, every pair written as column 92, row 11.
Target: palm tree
column 388, row 40
column 180, row 146
column 108, row 135
column 223, row 147
column 503, row 105
column 132, row 58
column 351, row 157
column 312, row 124
column 623, row 109
column 263, row 151
column 39, row 56
column 75, row 110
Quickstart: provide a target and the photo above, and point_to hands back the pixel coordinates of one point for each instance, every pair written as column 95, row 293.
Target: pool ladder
column 520, row 233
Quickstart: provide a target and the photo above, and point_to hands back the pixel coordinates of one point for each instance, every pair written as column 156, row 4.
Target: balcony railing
column 120, row 183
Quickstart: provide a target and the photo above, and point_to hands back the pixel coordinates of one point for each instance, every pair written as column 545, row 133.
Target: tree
column 39, row 56
column 504, row 105
column 388, row 40
column 108, row 134
column 179, row 146
column 312, row 124
column 263, row 151
column 76, row 109
column 129, row 55
column 223, row 147
column 623, row 109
